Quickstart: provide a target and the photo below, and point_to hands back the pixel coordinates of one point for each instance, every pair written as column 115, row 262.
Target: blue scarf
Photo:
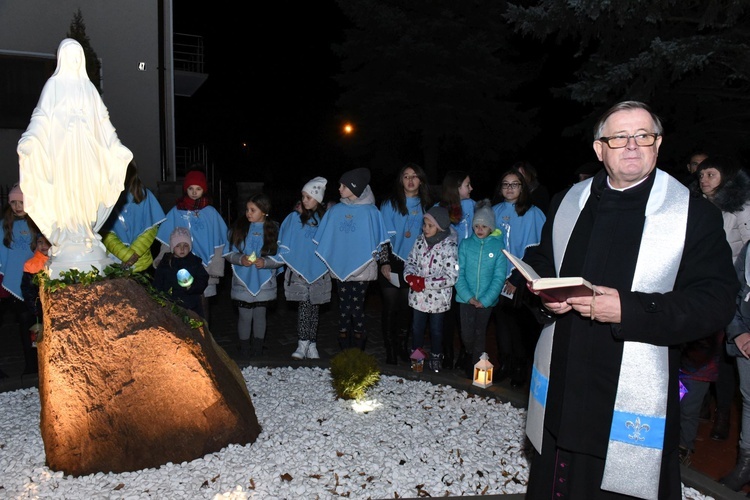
column 207, row 228
column 399, row 226
column 349, row 237
column 250, row 276
column 12, row 259
column 135, row 218
column 297, row 249
column 520, row 232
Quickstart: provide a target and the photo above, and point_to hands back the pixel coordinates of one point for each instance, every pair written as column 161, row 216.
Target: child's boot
column 257, row 347
column 343, row 340
column 359, row 340
column 436, row 362
column 302, row 348
column 244, row 349
column 312, row 351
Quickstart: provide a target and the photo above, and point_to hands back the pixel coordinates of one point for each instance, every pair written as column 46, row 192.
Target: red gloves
column 416, row 283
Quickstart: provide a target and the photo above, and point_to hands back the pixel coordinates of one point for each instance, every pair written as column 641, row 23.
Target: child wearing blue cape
column 181, row 274
column 253, row 245
column 208, row 229
column 306, row 279
column 350, row 238
column 455, row 196
column 18, row 236
column 131, row 228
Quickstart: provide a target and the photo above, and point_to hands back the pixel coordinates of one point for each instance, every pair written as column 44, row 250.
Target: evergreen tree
column 687, row 58
column 93, row 65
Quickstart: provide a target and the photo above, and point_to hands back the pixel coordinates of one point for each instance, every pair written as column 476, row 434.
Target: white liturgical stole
column 636, row 439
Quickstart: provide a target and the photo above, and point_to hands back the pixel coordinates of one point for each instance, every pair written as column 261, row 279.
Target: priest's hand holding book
column 563, row 294
column 603, row 305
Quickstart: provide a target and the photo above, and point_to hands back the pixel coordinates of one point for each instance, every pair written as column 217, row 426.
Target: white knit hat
column 316, row 188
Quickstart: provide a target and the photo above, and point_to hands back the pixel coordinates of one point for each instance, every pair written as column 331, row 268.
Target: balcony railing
column 188, row 52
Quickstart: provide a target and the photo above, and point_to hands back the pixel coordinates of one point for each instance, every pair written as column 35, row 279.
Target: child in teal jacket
column 481, row 275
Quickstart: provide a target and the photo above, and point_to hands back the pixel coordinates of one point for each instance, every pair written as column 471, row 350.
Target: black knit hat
column 439, row 216
column 356, row 180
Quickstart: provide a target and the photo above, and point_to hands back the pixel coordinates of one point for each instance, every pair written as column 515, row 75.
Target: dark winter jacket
column 165, row 280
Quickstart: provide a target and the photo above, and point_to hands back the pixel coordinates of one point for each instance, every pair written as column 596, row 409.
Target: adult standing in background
column 738, row 333
column 455, row 196
column 695, row 158
column 402, row 215
column 721, row 180
column 539, row 193
column 609, row 364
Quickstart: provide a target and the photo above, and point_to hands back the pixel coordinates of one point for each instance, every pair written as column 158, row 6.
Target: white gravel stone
column 419, row 439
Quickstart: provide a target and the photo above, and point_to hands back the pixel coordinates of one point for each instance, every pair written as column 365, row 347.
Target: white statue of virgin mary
column 72, row 165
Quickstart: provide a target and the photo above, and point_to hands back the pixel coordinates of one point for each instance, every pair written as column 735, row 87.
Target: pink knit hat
column 15, row 194
column 180, row 235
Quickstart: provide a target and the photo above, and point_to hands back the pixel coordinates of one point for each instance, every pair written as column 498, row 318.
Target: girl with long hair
column 402, row 215
column 253, row 245
column 515, row 326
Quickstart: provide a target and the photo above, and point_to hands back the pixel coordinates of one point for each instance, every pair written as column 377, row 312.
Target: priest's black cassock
column 586, row 355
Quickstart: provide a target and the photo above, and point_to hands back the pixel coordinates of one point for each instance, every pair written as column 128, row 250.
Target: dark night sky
column 270, row 84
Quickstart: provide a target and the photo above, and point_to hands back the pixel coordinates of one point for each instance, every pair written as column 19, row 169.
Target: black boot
column 389, row 343
column 503, row 368
column 518, row 372
column 720, row 430
column 257, row 347
column 404, row 345
column 359, row 340
column 31, row 362
column 390, row 356
column 740, row 475
column 343, row 340
column 448, row 352
column 467, row 365
column 706, row 407
column 244, row 349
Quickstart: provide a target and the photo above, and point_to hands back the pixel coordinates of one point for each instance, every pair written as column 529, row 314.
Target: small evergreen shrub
column 354, row 372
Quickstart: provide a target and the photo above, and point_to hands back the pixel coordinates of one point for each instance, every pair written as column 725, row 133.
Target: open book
column 551, row 289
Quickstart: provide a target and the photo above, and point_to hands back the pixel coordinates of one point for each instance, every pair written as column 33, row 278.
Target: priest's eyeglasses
column 620, row 141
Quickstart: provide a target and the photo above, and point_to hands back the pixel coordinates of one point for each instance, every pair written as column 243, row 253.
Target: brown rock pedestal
column 125, row 384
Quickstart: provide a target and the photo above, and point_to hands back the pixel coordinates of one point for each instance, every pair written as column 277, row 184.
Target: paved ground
column 281, row 341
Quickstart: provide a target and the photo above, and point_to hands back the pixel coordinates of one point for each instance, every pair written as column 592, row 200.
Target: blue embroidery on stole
column 538, row 387
column 638, row 430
